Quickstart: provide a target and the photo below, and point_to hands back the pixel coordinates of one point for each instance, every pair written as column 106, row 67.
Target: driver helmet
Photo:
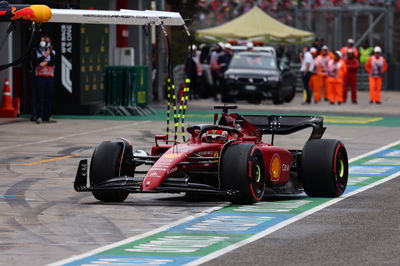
column 215, row 136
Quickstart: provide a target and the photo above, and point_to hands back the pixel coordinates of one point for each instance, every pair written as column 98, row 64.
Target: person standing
column 44, row 65
column 223, row 61
column 314, row 82
column 336, row 72
column 322, row 73
column 350, row 45
column 350, row 80
column 214, row 68
column 193, row 71
column 365, row 52
column 306, row 68
column 376, row 66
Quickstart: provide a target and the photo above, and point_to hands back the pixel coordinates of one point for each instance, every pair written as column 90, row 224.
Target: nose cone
column 161, row 169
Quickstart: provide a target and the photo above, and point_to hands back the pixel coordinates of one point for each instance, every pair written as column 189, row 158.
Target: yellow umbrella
column 255, row 25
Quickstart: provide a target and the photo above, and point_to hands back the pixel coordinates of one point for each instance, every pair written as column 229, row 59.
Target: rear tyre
column 106, row 163
column 242, row 169
column 324, row 168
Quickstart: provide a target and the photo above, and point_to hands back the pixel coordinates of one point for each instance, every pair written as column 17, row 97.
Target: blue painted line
column 350, row 189
column 119, row 260
column 374, row 170
column 388, row 153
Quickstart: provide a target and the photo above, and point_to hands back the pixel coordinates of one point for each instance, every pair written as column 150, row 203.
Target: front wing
column 134, row 184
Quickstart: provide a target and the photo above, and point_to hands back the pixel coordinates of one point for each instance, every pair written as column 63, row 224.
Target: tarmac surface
column 390, row 105
column 43, row 220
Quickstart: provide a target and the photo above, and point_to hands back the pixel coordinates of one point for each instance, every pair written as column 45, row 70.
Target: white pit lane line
column 250, row 239
column 73, row 135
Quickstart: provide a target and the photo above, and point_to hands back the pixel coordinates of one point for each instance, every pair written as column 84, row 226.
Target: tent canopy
column 255, row 25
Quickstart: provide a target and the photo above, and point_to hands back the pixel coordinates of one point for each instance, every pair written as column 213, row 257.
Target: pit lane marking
column 73, row 135
column 266, row 224
column 333, row 119
column 134, row 238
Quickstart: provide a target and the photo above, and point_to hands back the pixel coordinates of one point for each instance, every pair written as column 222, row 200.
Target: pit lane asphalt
column 43, row 220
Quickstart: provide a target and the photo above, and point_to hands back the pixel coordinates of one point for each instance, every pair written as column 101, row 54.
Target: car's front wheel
column 106, row 163
column 242, row 170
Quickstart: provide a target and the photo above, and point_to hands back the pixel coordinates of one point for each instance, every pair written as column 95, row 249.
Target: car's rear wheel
column 324, row 168
column 106, row 163
column 242, row 170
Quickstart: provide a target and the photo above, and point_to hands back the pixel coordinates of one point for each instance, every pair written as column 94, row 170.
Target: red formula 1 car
column 227, row 157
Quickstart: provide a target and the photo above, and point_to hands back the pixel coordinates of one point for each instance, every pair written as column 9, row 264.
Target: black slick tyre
column 106, row 163
column 242, row 170
column 324, row 168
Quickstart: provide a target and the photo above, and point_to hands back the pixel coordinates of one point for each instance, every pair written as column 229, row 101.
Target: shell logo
column 275, row 167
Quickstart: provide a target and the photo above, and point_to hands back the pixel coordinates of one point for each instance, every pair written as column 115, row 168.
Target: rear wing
column 284, row 125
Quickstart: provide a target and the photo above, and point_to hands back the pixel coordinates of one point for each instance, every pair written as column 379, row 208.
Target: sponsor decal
column 382, row 161
column 153, row 174
column 66, row 56
column 158, row 169
column 356, row 180
column 223, row 223
column 371, row 170
column 177, row 244
column 205, row 153
column 272, row 207
column 285, row 167
column 216, row 154
column 84, row 169
column 275, row 167
column 26, row 13
column 173, row 170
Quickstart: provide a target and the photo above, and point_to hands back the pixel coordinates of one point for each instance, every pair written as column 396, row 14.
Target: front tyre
column 106, row 163
column 242, row 170
column 324, row 168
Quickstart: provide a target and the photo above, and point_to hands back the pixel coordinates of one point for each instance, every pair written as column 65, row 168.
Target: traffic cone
column 7, row 109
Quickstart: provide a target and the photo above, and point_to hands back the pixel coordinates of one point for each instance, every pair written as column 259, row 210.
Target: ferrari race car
column 227, row 158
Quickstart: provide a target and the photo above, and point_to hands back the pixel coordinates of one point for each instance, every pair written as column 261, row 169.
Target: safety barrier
column 126, row 90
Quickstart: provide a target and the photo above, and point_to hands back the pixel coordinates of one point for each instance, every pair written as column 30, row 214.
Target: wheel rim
column 341, row 171
column 257, row 180
column 258, row 173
